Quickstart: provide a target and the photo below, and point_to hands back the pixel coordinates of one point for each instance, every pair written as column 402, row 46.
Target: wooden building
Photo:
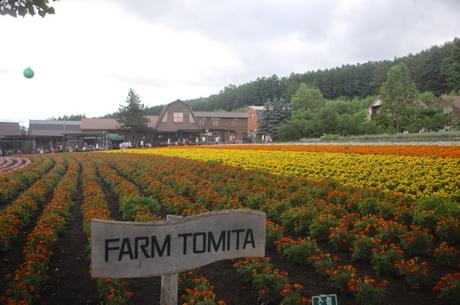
column 11, row 138
column 449, row 104
column 52, row 134
column 255, row 116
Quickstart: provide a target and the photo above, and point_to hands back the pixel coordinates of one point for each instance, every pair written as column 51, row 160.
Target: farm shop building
column 176, row 122
column 11, row 138
column 179, row 123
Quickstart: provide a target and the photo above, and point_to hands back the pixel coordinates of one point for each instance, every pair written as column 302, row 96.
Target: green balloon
column 28, row 73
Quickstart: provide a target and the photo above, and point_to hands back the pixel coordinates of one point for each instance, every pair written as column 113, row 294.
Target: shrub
column 114, row 291
column 297, row 250
column 446, row 255
column 415, row 272
column 391, row 231
column 368, row 225
column 269, row 284
column 367, row 206
column 369, row 292
column 273, row 233
column 448, row 229
column 417, row 241
column 340, row 238
column 362, row 247
column 319, row 229
column 384, row 258
column 323, row 263
column 448, row 288
column 341, row 276
column 292, row 295
column 130, row 203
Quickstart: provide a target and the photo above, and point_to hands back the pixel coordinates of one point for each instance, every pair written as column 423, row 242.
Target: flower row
column 413, row 176
column 95, row 205
column 30, row 276
column 403, row 150
column 271, row 284
column 21, row 211
column 197, row 289
column 15, row 182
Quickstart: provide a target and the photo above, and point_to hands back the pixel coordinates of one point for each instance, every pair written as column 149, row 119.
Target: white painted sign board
column 122, row 249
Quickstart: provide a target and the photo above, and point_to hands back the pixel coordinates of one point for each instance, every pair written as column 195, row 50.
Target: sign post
column 121, row 249
column 169, row 282
column 323, row 299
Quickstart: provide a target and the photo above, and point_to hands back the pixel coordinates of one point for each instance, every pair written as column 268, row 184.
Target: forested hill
column 436, row 69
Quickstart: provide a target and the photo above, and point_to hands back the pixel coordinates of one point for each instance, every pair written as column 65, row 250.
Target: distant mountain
column 436, row 69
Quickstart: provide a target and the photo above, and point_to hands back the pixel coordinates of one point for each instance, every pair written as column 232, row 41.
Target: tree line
column 436, row 70
column 308, row 114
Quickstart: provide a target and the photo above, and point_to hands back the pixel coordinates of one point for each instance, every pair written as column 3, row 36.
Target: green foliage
column 436, row 69
column 362, row 248
column 129, row 205
column 297, row 251
column 306, row 98
column 426, row 97
column 72, row 117
column 277, row 111
column 340, row 117
column 131, row 116
column 369, row 293
column 384, row 258
column 24, row 7
column 399, row 96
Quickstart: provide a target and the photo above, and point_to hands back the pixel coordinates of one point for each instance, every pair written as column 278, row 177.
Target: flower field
column 369, row 244
column 402, row 150
column 409, row 175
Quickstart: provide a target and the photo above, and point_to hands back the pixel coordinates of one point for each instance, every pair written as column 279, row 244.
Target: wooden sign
column 142, row 249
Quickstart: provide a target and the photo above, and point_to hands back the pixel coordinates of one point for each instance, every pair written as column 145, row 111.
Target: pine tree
column 277, row 112
column 132, row 117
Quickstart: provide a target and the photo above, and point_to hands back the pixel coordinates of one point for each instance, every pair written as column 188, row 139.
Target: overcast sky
column 89, row 53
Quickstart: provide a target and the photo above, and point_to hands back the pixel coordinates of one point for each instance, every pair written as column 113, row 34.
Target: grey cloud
column 350, row 31
column 238, row 19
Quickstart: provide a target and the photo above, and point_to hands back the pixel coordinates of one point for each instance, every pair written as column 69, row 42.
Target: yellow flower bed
column 414, row 176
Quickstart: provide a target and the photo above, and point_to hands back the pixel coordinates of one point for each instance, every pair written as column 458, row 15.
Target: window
column 202, row 122
column 178, row 117
column 215, row 122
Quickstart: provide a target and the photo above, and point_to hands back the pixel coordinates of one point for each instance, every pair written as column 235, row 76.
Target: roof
column 174, row 127
column 94, row 124
column 257, row 107
column 216, row 114
column 153, row 119
column 54, row 122
column 46, row 133
column 376, row 102
column 10, row 129
column 453, row 100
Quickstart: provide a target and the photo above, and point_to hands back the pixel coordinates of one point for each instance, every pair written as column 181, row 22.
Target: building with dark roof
column 177, row 123
column 8, row 129
column 11, row 138
column 449, row 104
column 50, row 134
